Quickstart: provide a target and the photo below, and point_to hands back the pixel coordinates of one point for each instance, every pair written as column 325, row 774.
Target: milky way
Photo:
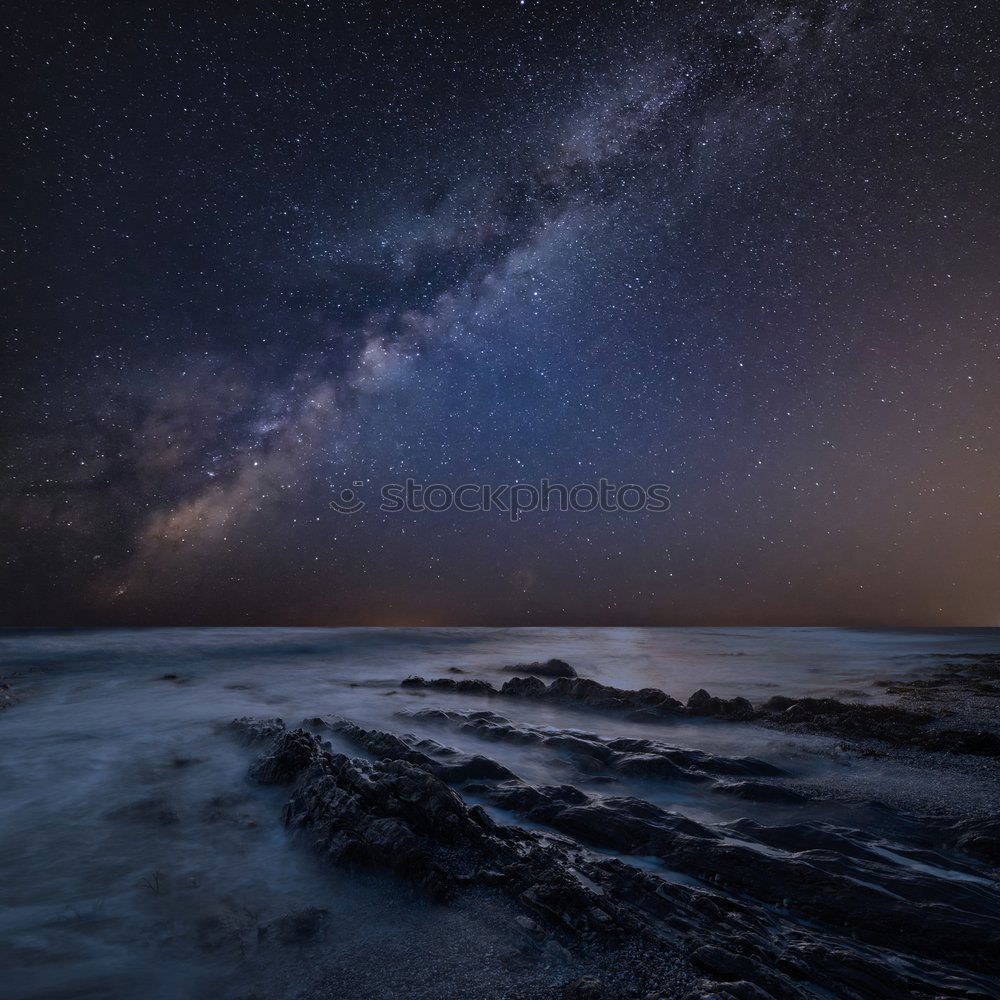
column 748, row 251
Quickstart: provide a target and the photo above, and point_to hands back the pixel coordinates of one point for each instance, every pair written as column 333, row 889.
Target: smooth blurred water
column 129, row 831
column 728, row 661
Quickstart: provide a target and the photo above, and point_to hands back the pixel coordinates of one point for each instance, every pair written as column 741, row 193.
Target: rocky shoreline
column 640, row 900
column 924, row 718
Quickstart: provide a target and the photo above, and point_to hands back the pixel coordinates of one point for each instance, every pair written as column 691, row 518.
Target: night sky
column 255, row 254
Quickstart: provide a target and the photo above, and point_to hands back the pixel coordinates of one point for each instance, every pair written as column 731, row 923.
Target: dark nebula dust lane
column 747, row 251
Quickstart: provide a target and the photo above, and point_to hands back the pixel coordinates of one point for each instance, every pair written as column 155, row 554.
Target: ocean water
column 131, row 842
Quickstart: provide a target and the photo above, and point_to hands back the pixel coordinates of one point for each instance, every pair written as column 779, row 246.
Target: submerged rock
column 301, row 927
column 7, row 697
column 758, row 791
column 216, row 932
column 155, row 811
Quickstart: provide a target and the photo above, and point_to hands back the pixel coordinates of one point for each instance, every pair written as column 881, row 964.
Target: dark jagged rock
column 628, row 756
column 468, row 686
column 735, row 709
column 253, row 731
column 891, row 725
column 291, row 754
column 832, row 899
column 473, row 686
column 384, row 815
column 646, row 704
column 649, row 701
column 398, row 817
column 441, row 683
column 524, row 687
column 777, row 703
column 395, row 815
column 821, row 874
column 549, row 668
column 386, row 746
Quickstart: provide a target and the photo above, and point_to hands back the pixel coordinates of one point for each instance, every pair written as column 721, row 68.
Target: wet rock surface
column 892, row 725
column 493, row 841
column 956, row 710
column 548, row 668
column 702, row 703
column 630, row 757
column 646, row 703
column 393, row 815
column 643, row 900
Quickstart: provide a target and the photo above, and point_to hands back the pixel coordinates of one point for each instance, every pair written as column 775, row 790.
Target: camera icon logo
column 346, row 501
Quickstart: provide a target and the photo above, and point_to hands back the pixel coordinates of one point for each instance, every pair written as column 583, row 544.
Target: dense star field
column 256, row 255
